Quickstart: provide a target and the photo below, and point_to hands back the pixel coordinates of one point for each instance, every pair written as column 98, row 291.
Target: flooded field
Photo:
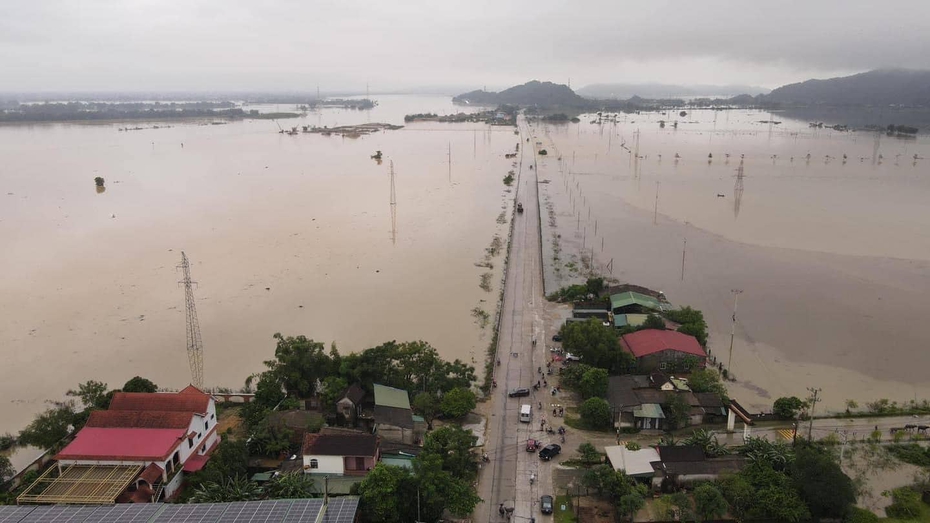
column 289, row 234
column 832, row 256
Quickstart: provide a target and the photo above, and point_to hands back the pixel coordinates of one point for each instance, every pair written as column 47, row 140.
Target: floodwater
column 832, row 256
column 289, row 234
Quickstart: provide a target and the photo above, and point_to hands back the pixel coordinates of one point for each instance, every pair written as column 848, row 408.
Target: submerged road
column 506, row 479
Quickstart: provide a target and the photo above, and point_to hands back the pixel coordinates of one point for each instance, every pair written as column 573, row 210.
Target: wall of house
column 394, row 433
column 205, row 427
column 327, row 465
column 350, row 468
column 174, row 486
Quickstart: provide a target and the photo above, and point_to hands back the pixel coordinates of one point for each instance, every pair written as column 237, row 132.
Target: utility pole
column 813, row 401
column 450, row 162
column 393, row 208
column 655, row 213
column 683, row 247
column 194, row 342
column 736, row 293
column 843, row 448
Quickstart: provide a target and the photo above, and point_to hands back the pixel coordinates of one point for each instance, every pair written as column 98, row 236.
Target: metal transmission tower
column 194, row 343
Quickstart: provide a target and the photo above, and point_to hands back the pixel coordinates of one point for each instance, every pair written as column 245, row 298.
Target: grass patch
column 482, row 318
column 485, row 283
column 563, row 516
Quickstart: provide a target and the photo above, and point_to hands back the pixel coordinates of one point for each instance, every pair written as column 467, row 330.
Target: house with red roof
column 665, row 350
column 163, row 434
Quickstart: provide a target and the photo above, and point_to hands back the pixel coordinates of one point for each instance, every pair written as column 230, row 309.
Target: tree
column 653, row 322
column 385, row 495
column 594, row 383
column 333, row 387
column 299, row 362
column 787, row 407
column 440, row 490
column 707, row 380
column 268, row 391
column 454, row 446
column 594, row 285
column 426, row 405
column 572, row 374
column 139, row 384
column 828, row 492
column 682, row 502
column 458, row 402
column 630, row 504
column 709, row 502
column 236, row 488
column 692, row 323
column 590, row 340
column 595, row 413
column 699, row 332
column 589, row 453
column 49, row 427
column 861, row 515
column 607, row 482
column 269, row 440
column 6, row 469
column 677, row 411
column 93, row 394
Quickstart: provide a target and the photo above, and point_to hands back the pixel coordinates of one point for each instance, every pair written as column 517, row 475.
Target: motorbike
column 563, row 438
column 532, row 478
column 485, row 458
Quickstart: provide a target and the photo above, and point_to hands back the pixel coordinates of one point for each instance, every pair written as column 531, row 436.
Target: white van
column 525, row 413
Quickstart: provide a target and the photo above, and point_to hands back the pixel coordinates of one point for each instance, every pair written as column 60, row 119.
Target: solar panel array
column 339, row 510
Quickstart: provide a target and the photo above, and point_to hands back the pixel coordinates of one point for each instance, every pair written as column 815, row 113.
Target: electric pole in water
column 683, row 247
column 813, row 401
column 736, row 293
column 655, row 214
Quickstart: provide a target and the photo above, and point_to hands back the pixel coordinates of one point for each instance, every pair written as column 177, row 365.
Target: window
column 190, row 443
column 359, row 463
column 206, row 424
column 314, row 463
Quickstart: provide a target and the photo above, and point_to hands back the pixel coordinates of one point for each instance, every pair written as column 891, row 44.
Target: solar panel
column 341, row 510
column 303, row 510
column 13, row 514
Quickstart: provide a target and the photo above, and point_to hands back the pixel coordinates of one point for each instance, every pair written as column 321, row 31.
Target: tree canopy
column 50, row 427
column 593, row 383
column 458, row 402
column 139, row 384
column 788, row 407
column 828, row 492
column 596, row 345
column 707, row 380
column 93, row 394
column 709, row 502
column 595, row 413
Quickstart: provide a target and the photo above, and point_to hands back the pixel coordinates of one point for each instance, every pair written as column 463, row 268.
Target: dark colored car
column 556, row 337
column 550, row 451
column 545, row 504
column 519, row 393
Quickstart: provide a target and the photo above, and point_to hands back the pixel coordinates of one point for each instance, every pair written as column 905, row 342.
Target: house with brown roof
column 340, row 454
column 149, row 438
column 350, row 404
column 664, row 350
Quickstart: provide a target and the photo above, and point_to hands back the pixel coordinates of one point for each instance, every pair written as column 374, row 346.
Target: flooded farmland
column 289, row 234
column 832, row 255
column 294, row 234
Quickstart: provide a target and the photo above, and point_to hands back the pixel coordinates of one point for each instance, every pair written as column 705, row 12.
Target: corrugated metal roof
column 119, row 444
column 633, row 462
column 649, row 410
column 625, row 299
column 635, row 320
column 650, row 341
column 390, row 397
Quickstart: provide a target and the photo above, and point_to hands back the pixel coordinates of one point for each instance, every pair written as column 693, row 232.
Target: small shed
column 635, row 463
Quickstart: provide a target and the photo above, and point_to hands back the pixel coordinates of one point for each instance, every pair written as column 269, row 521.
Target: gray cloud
column 288, row 45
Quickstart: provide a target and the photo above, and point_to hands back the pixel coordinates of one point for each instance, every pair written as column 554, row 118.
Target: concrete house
column 664, row 350
column 144, row 439
column 340, row 454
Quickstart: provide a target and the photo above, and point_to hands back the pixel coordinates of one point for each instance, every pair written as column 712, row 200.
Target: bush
column 593, row 383
column 906, row 504
column 859, row 515
column 595, row 413
column 911, row 453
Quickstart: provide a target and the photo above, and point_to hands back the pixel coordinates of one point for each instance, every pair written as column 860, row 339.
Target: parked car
column 571, row 357
column 545, row 504
column 556, row 337
column 519, row 393
column 550, row 451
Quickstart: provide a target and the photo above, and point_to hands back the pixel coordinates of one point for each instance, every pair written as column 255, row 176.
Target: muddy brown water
column 289, row 234
column 832, row 257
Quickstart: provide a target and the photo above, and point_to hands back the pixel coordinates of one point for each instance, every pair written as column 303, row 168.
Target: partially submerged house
column 137, row 451
column 636, row 401
column 630, row 302
column 664, row 350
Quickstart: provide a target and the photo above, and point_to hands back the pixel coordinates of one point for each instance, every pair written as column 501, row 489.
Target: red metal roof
column 197, row 461
column 152, row 473
column 650, row 341
column 137, row 419
column 121, row 444
column 185, row 401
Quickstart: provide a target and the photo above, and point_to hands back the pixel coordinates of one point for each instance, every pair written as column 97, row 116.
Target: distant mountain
column 879, row 87
column 535, row 93
column 622, row 91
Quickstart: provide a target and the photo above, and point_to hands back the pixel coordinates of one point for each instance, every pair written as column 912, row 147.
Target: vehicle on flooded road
column 519, row 393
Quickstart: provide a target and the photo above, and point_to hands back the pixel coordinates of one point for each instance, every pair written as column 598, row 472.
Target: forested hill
column 878, row 87
column 535, row 93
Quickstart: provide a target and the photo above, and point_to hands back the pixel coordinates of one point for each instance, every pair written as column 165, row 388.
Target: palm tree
column 294, row 485
column 236, row 488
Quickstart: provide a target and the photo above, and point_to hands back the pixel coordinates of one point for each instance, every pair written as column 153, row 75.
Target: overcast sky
column 148, row 45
